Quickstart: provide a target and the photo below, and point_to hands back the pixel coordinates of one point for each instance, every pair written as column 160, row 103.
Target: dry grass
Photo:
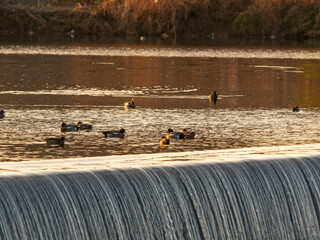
column 248, row 18
column 283, row 18
column 174, row 17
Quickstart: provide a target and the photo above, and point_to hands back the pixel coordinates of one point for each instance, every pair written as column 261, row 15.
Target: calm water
column 41, row 86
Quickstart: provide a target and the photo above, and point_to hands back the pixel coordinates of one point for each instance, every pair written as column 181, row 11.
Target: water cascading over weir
column 269, row 199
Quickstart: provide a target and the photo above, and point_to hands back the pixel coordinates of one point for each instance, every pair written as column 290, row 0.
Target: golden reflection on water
column 253, row 109
column 24, row 130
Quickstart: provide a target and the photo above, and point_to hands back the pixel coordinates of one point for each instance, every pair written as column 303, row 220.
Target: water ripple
column 215, row 129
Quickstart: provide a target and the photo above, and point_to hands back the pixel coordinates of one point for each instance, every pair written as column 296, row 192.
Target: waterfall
column 256, row 199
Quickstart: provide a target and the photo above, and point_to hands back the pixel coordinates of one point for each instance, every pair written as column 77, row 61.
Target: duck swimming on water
column 164, row 141
column 187, row 134
column 174, row 135
column 2, row 114
column 55, row 141
column 68, row 127
column 130, row 104
column 114, row 134
column 82, row 126
column 213, row 96
column 296, row 109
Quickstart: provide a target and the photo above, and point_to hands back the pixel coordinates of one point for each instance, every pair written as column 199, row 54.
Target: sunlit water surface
column 42, row 86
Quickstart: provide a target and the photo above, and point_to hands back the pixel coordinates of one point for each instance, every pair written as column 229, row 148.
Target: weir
column 249, row 199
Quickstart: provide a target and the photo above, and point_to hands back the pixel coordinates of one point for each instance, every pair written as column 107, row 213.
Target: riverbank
column 21, row 19
column 250, row 19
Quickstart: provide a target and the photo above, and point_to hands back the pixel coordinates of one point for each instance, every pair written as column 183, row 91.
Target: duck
column 174, row 135
column 68, row 128
column 2, row 114
column 82, row 126
column 164, row 141
column 115, row 134
column 213, row 96
column 296, row 109
column 130, row 104
column 55, row 141
column 188, row 135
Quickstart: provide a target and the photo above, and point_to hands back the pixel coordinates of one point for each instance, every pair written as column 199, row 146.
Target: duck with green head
column 130, row 104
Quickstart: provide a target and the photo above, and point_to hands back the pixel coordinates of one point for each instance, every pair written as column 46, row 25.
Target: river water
column 42, row 85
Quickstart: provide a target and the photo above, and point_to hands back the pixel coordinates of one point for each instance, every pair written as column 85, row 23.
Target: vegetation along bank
column 244, row 18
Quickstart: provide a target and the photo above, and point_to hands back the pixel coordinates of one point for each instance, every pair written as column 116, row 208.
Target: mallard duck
column 164, row 141
column 68, row 128
column 2, row 114
column 213, row 96
column 115, row 134
column 296, row 109
column 188, row 135
column 82, row 126
column 174, row 135
column 55, row 141
column 130, row 104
